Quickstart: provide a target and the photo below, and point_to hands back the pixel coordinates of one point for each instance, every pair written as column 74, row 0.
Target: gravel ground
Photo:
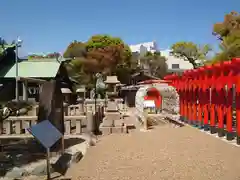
column 164, row 153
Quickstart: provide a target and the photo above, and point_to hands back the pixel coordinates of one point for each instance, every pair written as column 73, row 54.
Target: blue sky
column 49, row 25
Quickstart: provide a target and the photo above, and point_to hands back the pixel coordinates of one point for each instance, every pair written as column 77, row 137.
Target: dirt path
column 165, row 153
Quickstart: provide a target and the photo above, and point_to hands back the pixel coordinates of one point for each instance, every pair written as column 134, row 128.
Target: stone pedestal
column 105, row 130
column 107, row 122
column 113, row 121
column 111, row 106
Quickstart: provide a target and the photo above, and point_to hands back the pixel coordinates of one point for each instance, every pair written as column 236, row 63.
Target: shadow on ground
column 16, row 153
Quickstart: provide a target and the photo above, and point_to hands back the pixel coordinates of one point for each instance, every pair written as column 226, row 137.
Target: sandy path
column 163, row 154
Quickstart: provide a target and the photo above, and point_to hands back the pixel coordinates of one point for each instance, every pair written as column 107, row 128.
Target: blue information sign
column 45, row 133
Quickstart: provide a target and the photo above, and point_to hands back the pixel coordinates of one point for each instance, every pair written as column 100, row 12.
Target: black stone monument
column 51, row 106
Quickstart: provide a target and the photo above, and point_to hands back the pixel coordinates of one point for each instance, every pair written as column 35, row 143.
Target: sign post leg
column 62, row 144
column 48, row 164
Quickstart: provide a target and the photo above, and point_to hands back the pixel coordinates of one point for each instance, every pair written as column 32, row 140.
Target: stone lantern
column 66, row 94
column 81, row 93
column 111, row 83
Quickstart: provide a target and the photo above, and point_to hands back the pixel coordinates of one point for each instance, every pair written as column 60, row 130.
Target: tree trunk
column 193, row 62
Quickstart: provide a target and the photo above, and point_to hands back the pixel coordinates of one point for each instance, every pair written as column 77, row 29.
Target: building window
column 175, row 66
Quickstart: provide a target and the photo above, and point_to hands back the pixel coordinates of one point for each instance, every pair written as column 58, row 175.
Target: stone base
column 190, row 122
column 194, row 123
column 118, row 122
column 125, row 128
column 107, row 122
column 213, row 129
column 230, row 136
column 221, row 132
column 117, row 129
column 206, row 127
column 112, row 115
column 105, row 130
column 181, row 118
column 238, row 140
column 113, row 129
column 185, row 120
column 200, row 125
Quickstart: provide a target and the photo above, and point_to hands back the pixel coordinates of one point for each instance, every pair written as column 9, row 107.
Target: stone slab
column 125, row 128
column 117, row 130
column 107, row 122
column 119, row 122
column 113, row 115
column 105, row 130
column 111, row 106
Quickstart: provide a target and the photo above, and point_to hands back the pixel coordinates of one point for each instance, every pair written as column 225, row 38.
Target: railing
column 89, row 105
column 75, row 110
column 16, row 126
column 77, row 120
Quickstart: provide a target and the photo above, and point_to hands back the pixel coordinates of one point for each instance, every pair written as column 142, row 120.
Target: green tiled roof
column 60, row 59
column 6, row 47
column 34, row 69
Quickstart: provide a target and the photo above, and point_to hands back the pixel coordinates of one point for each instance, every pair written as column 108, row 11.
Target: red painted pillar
column 181, row 104
column 214, row 98
column 189, row 104
column 220, row 110
column 205, row 109
column 183, row 101
column 193, row 109
column 230, row 134
column 194, row 106
column 185, row 105
column 206, row 99
column 238, row 109
column 201, row 97
column 213, row 110
column 200, row 107
column 197, row 103
column 187, row 100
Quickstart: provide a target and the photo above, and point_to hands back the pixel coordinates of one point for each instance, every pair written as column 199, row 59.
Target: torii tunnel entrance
column 210, row 98
column 154, row 95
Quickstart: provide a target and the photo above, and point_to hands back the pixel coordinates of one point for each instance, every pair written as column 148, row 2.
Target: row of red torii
column 209, row 96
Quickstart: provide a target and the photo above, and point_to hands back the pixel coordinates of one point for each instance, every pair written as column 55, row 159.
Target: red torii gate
column 206, row 97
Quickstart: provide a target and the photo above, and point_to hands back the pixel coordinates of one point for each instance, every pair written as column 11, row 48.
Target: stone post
column 145, row 123
column 114, row 88
column 25, row 90
column 90, row 122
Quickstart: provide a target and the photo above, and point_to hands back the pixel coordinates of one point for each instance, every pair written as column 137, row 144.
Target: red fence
column 210, row 98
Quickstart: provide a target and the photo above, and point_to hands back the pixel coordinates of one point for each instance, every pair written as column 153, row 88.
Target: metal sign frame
column 47, row 135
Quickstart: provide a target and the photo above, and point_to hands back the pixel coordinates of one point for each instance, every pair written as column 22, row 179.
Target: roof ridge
column 42, row 61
